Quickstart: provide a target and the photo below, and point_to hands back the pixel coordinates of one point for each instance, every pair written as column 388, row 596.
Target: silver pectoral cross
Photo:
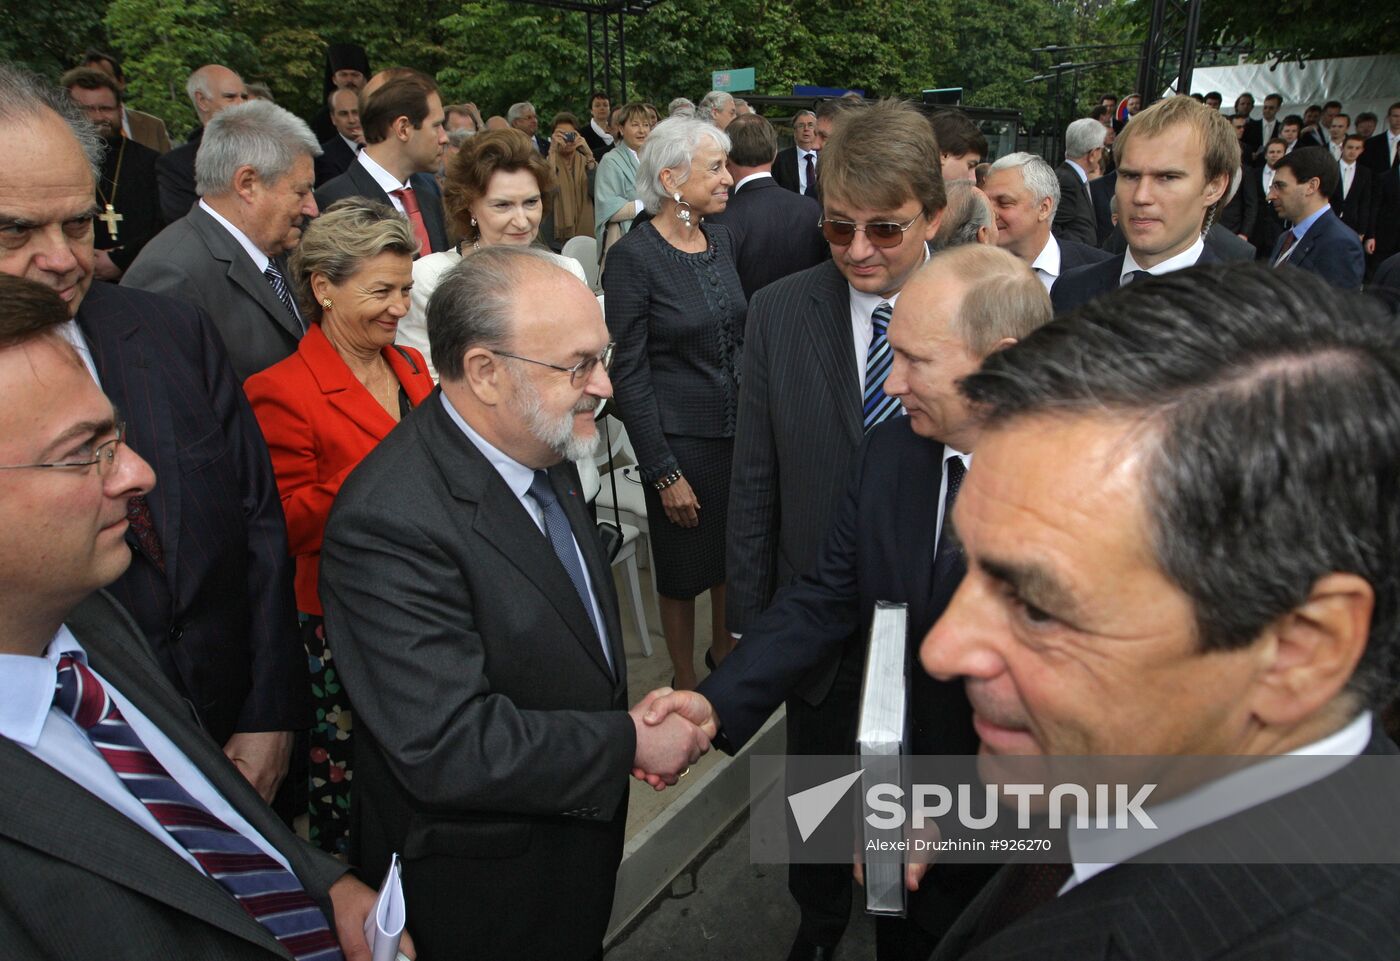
column 111, row 218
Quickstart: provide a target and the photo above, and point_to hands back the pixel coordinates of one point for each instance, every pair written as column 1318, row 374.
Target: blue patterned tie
column 279, row 287
column 270, row 893
column 878, row 405
column 561, row 538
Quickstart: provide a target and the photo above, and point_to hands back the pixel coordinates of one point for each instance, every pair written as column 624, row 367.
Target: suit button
column 176, row 633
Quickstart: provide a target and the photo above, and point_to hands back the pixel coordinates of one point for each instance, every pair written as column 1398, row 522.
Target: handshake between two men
column 674, row 730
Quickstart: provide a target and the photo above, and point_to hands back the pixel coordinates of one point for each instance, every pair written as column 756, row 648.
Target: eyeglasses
column 580, row 372
column 104, row 455
column 885, row 234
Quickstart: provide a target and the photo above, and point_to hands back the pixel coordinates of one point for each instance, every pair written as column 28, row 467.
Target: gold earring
column 326, row 303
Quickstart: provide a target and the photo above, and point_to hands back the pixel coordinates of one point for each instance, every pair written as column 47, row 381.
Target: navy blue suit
column 221, row 617
column 357, row 182
column 1074, row 254
column 1329, row 249
column 1083, row 284
column 880, row 547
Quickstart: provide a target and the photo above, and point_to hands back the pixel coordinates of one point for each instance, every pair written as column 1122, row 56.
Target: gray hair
column 964, row 216
column 671, row 145
column 518, row 110
column 337, row 244
column 1084, row 135
column 714, row 100
column 680, row 107
column 24, row 98
column 198, row 83
column 475, row 302
column 259, row 134
column 459, row 135
column 804, row 113
column 1038, row 176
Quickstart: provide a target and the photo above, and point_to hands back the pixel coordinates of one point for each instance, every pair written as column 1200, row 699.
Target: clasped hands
column 674, row 729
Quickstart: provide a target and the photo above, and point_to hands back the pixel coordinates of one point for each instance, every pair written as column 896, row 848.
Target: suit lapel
column 340, row 387
column 829, row 326
column 132, row 380
column 920, row 469
column 242, row 271
column 502, row 520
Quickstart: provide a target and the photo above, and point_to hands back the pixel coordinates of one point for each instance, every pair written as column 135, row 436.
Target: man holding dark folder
column 886, row 544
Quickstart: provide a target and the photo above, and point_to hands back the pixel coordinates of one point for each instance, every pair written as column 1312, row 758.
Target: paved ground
column 723, row 908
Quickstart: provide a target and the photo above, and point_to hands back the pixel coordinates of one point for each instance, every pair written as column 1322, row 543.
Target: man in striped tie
column 124, row 831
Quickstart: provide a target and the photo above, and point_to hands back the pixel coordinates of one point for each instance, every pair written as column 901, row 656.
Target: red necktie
column 143, row 526
column 268, row 892
column 1288, row 240
column 415, row 217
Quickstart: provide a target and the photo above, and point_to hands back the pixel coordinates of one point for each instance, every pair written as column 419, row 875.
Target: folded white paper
column 385, row 924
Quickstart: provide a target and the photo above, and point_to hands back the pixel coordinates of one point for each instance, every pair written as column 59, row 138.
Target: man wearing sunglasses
column 815, row 360
column 477, row 632
column 210, row 582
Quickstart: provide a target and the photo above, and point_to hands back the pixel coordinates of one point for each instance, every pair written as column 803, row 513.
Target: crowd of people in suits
column 291, row 416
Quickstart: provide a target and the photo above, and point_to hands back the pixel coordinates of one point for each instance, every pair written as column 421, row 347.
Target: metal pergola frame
column 607, row 38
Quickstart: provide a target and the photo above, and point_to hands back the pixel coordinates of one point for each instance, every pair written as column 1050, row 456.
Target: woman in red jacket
column 322, row 410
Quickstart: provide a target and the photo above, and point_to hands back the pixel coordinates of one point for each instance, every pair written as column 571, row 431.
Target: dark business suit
column 798, row 432
column 879, row 546
column 492, row 747
column 775, row 233
column 357, row 182
column 133, row 166
column 1252, row 140
column 78, row 879
column 220, row 617
column 1329, row 249
column 1074, row 254
column 1356, row 207
column 1268, row 225
column 1242, row 211
column 1387, row 214
column 198, row 261
column 175, row 178
column 1267, row 131
column 336, row 158
column 1074, row 217
column 1101, row 192
column 785, row 170
column 1083, row 284
column 1216, row 912
column 1377, row 153
column 1387, row 274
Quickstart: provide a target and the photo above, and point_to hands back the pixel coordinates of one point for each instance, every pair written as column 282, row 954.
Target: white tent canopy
column 1360, row 83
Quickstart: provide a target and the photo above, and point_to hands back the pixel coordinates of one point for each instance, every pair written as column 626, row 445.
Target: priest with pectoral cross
column 127, row 212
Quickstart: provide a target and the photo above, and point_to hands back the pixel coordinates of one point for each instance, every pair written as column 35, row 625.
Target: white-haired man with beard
column 477, row 629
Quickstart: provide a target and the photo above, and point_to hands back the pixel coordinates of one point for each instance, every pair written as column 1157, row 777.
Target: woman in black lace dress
column 675, row 308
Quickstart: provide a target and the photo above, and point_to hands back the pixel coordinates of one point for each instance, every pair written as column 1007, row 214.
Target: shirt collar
column 517, row 476
column 386, row 180
column 1187, row 258
column 803, row 152
column 1048, row 259
column 1083, row 177
column 27, row 685
column 863, row 304
column 260, row 259
column 1301, row 227
column 1095, row 851
column 750, row 178
column 354, row 147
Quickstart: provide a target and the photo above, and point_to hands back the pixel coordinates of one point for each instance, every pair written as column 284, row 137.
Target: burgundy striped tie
column 270, row 893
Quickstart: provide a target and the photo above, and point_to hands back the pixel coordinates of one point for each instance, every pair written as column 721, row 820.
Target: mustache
column 587, row 405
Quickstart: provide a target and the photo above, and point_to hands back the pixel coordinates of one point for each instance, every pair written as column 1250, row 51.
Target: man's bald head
column 213, row 87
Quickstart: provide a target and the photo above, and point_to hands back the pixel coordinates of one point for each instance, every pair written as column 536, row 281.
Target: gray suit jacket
column 798, row 432
column 492, row 746
column 80, row 880
column 196, row 260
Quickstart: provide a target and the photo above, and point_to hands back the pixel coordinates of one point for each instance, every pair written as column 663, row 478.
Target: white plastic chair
column 591, row 482
column 585, row 251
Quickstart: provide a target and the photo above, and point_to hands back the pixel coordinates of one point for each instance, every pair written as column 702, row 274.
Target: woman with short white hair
column 676, row 310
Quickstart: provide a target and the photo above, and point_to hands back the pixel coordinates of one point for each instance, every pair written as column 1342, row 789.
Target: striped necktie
column 877, row 404
column 270, row 893
column 279, row 287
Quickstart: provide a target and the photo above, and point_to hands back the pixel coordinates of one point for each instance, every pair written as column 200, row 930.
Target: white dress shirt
column 1047, row 263
column 386, row 180
column 1335, row 149
column 1187, row 258
column 1391, row 139
column 1268, row 179
column 1210, row 803
column 518, row 478
column 750, row 179
column 802, row 156
column 862, row 327
column 1348, row 172
column 29, row 719
column 74, row 335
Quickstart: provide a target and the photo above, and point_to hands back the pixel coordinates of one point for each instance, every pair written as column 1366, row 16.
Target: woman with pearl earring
column 676, row 308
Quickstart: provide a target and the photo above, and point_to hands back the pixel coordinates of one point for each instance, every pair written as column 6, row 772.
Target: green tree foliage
column 1306, row 29
column 48, row 37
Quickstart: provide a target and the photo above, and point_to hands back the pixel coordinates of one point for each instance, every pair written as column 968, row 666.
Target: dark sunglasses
column 886, row 234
